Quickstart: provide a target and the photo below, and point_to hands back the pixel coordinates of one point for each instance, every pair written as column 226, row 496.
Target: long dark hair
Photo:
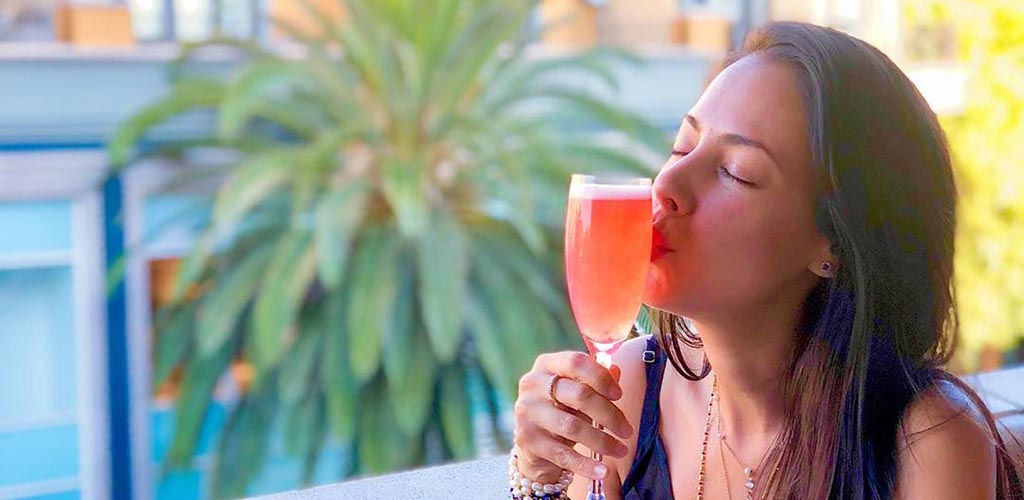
column 878, row 333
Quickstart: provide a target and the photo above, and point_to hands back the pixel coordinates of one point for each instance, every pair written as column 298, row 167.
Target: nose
column 672, row 190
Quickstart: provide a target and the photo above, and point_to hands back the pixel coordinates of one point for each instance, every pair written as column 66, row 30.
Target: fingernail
column 621, row 450
column 616, row 393
column 626, row 430
column 600, row 471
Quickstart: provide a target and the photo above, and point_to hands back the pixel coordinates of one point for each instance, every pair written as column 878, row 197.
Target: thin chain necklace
column 749, row 472
column 704, row 444
column 721, row 455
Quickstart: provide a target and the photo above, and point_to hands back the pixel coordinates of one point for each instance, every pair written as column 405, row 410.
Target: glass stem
column 596, row 491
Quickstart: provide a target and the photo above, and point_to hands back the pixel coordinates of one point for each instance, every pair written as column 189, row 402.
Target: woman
column 804, row 227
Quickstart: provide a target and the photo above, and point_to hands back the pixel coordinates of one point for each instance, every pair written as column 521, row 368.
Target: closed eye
column 724, row 172
column 676, row 152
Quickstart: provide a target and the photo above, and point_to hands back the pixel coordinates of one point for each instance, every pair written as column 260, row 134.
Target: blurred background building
column 79, row 416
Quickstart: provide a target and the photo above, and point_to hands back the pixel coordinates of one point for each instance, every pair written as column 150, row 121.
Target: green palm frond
column 185, row 96
column 443, row 267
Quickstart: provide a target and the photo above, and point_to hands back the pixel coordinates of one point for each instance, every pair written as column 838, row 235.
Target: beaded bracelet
column 522, row 488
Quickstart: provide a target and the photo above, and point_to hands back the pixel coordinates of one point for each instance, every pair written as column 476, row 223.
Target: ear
column 824, row 263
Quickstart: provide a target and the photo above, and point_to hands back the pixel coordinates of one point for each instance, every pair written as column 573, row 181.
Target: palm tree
column 392, row 223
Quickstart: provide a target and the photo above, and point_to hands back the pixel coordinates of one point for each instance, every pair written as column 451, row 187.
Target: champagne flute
column 607, row 251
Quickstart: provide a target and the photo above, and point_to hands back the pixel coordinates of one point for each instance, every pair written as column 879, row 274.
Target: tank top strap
column 654, row 358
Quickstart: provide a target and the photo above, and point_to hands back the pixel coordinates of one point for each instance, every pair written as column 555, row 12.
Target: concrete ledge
column 1002, row 390
column 480, row 480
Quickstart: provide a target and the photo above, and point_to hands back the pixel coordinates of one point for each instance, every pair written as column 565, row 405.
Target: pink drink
column 607, row 251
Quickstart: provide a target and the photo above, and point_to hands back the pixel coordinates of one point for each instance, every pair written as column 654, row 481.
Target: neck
column 751, row 355
column 750, row 366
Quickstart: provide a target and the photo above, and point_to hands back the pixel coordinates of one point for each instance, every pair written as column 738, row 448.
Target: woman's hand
column 546, row 431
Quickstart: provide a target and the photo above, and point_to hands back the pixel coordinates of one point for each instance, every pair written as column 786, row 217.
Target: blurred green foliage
column 392, row 223
column 987, row 141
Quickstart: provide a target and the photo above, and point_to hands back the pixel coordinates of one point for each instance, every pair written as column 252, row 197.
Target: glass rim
column 610, row 180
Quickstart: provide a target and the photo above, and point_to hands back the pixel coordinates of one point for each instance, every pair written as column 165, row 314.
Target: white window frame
column 77, row 176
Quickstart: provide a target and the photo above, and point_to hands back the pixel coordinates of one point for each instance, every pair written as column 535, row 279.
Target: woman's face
column 734, row 204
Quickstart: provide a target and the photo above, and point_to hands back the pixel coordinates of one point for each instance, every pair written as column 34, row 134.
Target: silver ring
column 551, row 389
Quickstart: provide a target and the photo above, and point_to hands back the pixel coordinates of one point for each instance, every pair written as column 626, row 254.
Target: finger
column 574, row 411
column 579, row 396
column 538, row 469
column 527, row 440
column 578, row 430
column 581, row 367
column 533, row 389
column 525, row 407
column 565, row 457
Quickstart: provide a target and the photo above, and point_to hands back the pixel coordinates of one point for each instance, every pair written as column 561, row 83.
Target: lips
column 659, row 245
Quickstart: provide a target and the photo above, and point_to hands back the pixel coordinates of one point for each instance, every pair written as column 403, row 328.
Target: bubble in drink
column 607, row 252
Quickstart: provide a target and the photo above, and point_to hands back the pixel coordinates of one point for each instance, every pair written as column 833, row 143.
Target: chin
column 675, row 300
column 662, row 290
column 670, row 308
column 661, row 298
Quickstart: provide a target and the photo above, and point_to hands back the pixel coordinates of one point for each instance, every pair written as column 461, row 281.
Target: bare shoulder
column 630, row 357
column 633, row 380
column 944, row 409
column 946, row 448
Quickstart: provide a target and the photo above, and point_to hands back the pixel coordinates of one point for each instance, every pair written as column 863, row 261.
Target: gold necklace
column 749, row 472
column 725, row 470
column 721, row 455
column 704, row 444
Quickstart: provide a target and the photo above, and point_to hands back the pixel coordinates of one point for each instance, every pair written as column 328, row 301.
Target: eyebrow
column 734, row 139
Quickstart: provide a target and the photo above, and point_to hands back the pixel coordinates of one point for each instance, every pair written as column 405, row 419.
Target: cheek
column 767, row 247
column 767, row 251
column 755, row 233
column 737, row 249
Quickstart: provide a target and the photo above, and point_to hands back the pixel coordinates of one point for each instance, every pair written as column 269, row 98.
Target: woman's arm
column 946, row 450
